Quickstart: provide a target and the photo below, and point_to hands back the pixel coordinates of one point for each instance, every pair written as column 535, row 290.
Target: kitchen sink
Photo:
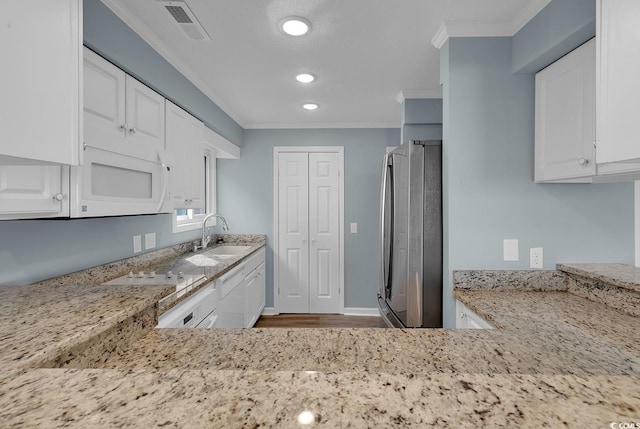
column 228, row 250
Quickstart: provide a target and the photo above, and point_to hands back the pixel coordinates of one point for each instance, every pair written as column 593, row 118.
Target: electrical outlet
column 150, row 240
column 354, row 228
column 535, row 257
column 137, row 243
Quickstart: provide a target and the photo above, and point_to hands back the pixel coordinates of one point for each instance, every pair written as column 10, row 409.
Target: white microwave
column 113, row 184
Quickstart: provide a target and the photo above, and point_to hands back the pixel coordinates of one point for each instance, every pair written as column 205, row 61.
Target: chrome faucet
column 207, row 238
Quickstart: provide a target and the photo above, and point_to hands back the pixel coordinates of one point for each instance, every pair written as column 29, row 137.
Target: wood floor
column 319, row 321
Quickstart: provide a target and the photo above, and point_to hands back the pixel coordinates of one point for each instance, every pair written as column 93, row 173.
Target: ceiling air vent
column 181, row 13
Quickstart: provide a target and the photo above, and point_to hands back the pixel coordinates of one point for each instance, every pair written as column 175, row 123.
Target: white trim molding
column 307, row 125
column 357, row 311
column 418, row 94
column 269, row 311
column 224, row 148
column 488, row 28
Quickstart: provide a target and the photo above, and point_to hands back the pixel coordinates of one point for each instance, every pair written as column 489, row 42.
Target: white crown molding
column 311, row 125
column 148, row 36
column 440, row 38
column 418, row 93
column 497, row 28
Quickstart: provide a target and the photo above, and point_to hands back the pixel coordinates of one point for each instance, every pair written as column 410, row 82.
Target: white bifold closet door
column 309, row 233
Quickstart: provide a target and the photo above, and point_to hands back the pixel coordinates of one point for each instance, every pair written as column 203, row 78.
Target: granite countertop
column 556, row 359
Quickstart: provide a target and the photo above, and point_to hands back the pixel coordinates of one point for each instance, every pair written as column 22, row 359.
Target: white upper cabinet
column 104, row 103
column 124, row 170
column 565, row 117
column 185, row 148
column 618, row 82
column 122, row 115
column 145, row 118
column 34, row 191
column 40, row 75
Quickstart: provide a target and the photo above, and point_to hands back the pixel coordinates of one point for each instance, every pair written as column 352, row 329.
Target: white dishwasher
column 200, row 310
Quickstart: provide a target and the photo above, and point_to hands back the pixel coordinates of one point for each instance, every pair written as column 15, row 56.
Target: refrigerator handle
column 383, row 197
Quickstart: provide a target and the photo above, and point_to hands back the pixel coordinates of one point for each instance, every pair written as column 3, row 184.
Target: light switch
column 137, row 243
column 510, row 250
column 354, row 228
column 150, row 240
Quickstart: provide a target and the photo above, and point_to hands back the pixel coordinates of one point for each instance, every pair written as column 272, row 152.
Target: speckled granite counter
column 557, row 359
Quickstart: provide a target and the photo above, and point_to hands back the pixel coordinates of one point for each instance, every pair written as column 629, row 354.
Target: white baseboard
column 348, row 311
column 269, row 311
column 357, row 311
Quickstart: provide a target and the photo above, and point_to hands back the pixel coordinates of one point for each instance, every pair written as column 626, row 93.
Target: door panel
column 40, row 76
column 324, row 233
column 400, row 219
column 104, row 104
column 31, row 190
column 145, row 120
column 293, row 253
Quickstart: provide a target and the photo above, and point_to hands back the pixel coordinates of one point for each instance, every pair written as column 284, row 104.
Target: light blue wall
column 560, row 27
column 488, row 176
column 421, row 119
column 105, row 33
column 33, row 250
column 245, row 197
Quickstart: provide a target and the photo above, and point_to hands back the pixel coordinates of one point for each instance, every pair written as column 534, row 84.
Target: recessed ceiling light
column 310, row 106
column 305, row 78
column 295, row 26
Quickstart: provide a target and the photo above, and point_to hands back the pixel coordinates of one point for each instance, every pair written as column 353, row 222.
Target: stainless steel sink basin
column 228, row 250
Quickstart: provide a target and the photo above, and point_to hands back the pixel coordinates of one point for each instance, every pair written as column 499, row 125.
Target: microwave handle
column 165, row 180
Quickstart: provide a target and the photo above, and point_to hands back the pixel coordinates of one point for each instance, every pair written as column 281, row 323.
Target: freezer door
column 399, row 253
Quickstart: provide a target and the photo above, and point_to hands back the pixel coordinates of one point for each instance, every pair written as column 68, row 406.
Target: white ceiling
column 364, row 52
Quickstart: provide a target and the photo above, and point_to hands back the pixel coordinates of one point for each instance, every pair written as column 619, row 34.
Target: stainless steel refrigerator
column 411, row 236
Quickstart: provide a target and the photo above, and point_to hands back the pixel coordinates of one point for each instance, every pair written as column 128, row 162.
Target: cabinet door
column 40, row 47
column 618, row 83
column 145, row 114
column 565, row 117
column 261, row 283
column 104, row 104
column 250, row 316
column 30, row 191
column 184, row 135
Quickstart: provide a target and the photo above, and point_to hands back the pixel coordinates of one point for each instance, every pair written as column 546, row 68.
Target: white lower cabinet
column 34, row 191
column 242, row 293
column 468, row 319
column 255, row 288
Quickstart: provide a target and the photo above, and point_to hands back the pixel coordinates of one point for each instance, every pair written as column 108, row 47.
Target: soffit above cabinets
column 363, row 52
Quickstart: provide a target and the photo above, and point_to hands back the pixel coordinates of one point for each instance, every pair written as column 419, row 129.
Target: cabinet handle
column 58, row 197
column 583, row 161
column 133, row 130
